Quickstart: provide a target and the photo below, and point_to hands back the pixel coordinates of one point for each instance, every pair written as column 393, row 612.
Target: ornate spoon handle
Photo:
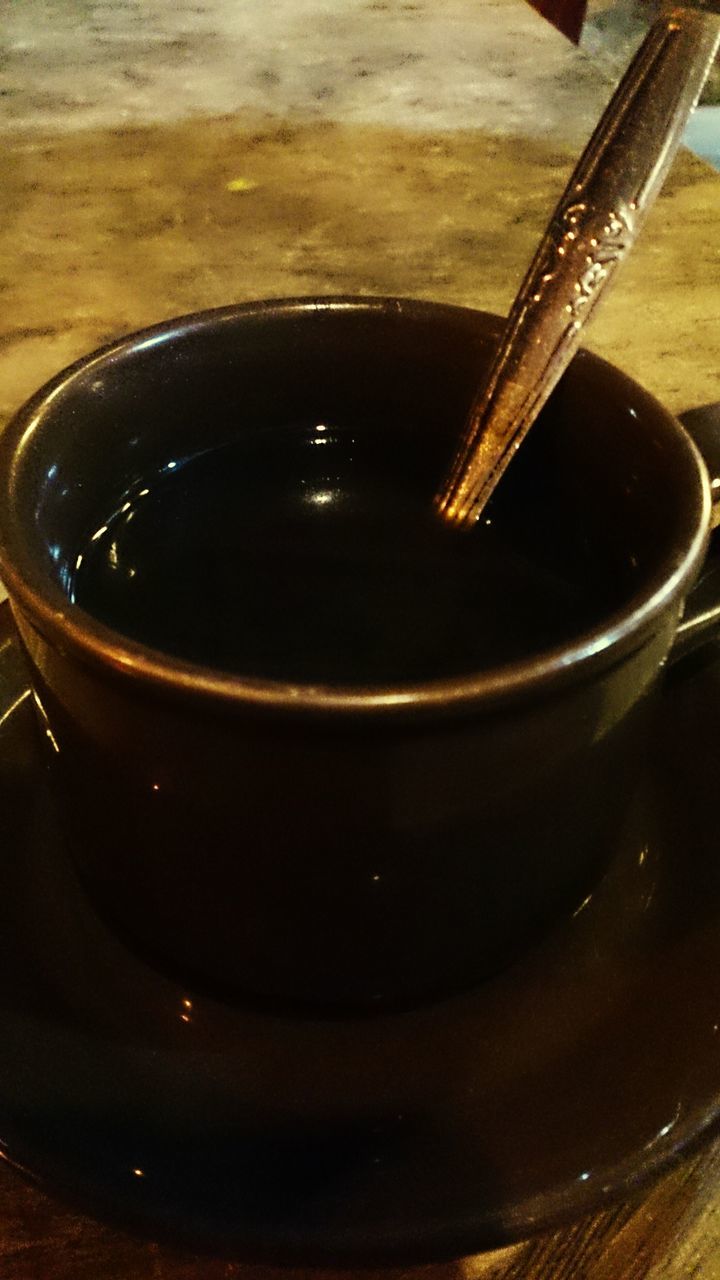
column 592, row 229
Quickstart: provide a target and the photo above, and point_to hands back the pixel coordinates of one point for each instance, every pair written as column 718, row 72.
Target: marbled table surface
column 161, row 157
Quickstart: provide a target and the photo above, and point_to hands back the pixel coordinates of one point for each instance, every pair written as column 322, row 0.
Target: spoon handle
column 592, row 229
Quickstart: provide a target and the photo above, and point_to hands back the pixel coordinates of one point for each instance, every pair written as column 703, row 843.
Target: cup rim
column 69, row 628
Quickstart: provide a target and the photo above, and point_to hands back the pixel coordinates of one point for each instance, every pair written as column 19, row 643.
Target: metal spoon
column 592, row 229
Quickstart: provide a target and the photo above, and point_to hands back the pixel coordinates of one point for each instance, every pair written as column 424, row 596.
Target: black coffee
column 303, row 553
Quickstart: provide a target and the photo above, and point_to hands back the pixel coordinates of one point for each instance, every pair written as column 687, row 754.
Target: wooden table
column 105, row 229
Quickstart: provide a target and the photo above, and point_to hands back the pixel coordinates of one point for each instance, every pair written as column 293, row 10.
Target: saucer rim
column 424, row 1244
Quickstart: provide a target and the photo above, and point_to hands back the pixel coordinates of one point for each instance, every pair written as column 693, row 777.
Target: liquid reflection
column 13, row 707
column 274, row 557
column 583, row 905
column 322, row 497
column 45, row 722
column 665, row 1129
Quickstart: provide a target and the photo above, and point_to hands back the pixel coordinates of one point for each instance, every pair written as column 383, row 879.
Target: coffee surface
column 309, row 552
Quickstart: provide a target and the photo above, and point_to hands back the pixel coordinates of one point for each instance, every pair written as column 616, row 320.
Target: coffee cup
column 346, row 843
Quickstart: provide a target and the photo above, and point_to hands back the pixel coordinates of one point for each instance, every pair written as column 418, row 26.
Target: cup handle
column 701, row 619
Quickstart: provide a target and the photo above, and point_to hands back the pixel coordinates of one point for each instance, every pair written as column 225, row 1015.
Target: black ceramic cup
column 343, row 846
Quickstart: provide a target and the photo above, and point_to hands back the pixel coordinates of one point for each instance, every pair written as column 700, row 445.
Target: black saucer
column 571, row 1079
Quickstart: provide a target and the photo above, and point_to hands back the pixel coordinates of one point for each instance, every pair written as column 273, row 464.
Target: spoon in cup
column 591, row 231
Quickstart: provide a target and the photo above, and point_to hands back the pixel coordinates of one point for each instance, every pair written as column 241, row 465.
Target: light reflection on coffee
column 302, row 552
